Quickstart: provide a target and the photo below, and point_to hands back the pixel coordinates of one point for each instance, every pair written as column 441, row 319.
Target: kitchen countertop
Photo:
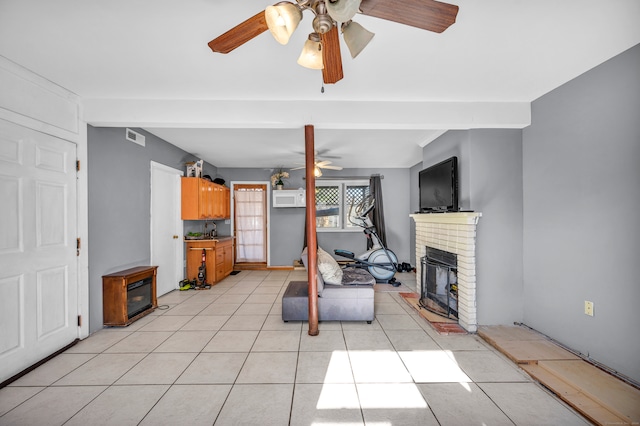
column 219, row 239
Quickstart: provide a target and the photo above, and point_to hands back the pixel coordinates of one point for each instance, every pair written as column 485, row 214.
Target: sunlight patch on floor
column 391, row 395
column 337, row 397
column 433, row 367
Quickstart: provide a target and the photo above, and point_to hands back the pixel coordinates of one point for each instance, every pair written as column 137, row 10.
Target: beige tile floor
column 225, row 357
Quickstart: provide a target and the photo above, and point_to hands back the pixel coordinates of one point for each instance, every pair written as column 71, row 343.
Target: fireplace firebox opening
column 439, row 286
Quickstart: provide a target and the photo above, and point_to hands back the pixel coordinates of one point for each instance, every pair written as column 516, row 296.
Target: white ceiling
column 146, row 63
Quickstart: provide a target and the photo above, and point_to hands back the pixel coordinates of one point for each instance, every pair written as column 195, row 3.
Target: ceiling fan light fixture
column 342, row 10
column 282, row 19
column 311, row 56
column 317, row 172
column 356, row 37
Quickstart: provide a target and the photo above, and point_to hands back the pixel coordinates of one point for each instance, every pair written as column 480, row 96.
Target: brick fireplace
column 455, row 233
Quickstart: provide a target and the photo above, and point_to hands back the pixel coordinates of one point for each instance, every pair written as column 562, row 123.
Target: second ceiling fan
column 318, row 166
column 322, row 49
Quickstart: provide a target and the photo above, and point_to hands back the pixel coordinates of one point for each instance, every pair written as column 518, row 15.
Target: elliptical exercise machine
column 381, row 262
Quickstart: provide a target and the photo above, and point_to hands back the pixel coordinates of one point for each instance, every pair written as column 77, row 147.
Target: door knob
column 175, row 237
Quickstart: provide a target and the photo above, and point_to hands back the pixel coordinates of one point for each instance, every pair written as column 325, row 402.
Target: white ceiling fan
column 318, row 165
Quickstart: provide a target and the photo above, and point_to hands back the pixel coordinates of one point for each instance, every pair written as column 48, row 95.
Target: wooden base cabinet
column 224, row 259
column 204, row 200
column 194, row 259
column 128, row 295
column 218, row 262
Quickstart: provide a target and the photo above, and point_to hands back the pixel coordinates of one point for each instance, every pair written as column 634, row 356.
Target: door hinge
column 79, row 320
column 77, row 246
column 77, row 165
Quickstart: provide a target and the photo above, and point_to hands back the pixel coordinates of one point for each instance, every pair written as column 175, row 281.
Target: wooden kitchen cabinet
column 204, row 200
column 219, row 258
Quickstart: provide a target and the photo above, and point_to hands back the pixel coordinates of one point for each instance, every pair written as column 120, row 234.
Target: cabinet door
column 193, row 262
column 228, row 259
column 203, row 199
column 211, row 200
column 190, row 198
column 212, row 276
column 227, row 203
column 218, row 200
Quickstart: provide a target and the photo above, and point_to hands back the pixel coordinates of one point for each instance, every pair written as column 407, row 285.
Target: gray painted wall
column 119, row 204
column 496, row 192
column 287, row 224
column 581, row 203
column 490, row 182
column 454, row 142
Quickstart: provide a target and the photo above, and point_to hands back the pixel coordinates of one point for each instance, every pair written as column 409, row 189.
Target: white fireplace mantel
column 461, row 218
column 455, row 233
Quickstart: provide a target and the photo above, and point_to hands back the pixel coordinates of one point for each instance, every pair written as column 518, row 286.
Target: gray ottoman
column 335, row 302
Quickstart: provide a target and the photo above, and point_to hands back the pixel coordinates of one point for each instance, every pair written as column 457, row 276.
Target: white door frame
column 179, row 261
column 233, row 205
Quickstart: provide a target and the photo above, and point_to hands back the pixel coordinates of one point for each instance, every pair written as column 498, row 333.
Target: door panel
column 12, row 317
column 10, row 225
column 52, row 294
column 167, row 246
column 38, row 277
column 51, row 226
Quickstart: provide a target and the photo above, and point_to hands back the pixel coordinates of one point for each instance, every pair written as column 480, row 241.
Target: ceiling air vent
column 135, row 137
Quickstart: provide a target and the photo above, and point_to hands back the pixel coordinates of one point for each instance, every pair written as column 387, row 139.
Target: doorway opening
column 250, row 229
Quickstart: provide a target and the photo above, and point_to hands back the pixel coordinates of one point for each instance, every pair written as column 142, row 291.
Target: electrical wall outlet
column 588, row 308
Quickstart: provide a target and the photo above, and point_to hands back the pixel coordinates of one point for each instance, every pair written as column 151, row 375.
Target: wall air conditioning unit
column 289, row 198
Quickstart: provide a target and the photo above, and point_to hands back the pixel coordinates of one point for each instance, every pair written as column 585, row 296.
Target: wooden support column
column 312, row 243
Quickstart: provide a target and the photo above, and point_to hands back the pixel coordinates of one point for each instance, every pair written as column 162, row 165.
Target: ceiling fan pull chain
column 322, row 86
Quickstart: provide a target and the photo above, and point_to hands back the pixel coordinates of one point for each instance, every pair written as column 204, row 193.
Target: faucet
column 213, row 232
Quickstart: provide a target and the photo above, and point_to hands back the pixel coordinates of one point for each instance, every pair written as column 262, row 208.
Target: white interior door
column 167, row 249
column 38, row 261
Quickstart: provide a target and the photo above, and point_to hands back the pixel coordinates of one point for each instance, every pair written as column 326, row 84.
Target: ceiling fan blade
column 240, row 34
column 331, row 167
column 297, row 168
column 322, row 163
column 323, row 154
column 331, row 57
column 429, row 15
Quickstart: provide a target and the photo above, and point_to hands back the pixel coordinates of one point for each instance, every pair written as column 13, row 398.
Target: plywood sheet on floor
column 621, row 398
column 502, row 333
column 522, row 345
column 599, row 396
column 570, row 394
column 531, row 352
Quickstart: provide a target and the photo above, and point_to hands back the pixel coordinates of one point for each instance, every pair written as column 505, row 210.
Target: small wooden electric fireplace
column 439, row 288
column 128, row 295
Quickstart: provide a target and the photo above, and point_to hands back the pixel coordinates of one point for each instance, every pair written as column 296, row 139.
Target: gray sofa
column 350, row 301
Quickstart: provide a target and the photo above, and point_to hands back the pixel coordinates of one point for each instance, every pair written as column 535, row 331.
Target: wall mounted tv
column 439, row 187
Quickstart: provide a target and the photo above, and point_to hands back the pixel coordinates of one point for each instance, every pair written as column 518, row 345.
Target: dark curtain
column 377, row 214
column 304, row 241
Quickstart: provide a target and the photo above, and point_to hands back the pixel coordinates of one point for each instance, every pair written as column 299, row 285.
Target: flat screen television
column 439, row 187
